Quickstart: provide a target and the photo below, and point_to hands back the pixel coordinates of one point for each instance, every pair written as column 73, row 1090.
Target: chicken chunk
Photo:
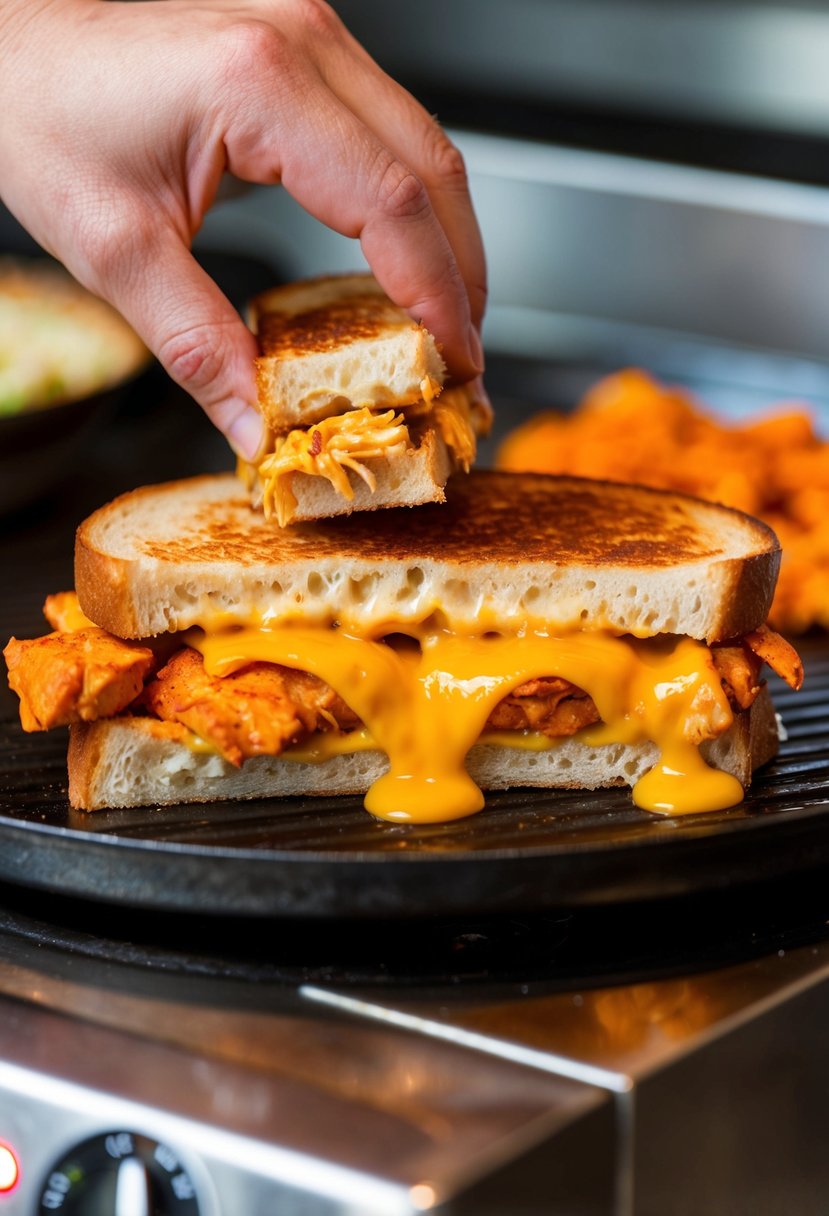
column 551, row 705
column 259, row 710
column 318, row 698
column 63, row 612
column 75, row 677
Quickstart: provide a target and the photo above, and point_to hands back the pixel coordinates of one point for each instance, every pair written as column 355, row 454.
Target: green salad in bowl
column 58, row 343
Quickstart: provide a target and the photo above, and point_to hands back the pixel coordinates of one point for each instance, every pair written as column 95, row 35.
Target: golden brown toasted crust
column 106, row 583
column 515, row 517
column 360, row 318
column 570, row 552
column 83, row 759
column 334, row 343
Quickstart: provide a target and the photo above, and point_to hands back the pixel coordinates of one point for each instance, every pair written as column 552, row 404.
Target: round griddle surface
column 326, row 858
column 322, row 858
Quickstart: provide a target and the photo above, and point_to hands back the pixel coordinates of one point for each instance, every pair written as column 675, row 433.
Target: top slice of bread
column 337, row 343
column 506, row 550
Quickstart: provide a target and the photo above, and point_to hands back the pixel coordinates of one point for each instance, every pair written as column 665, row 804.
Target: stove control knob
column 120, row 1174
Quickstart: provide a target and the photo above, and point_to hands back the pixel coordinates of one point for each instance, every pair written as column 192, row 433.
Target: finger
column 428, row 282
column 340, row 172
column 405, row 127
column 192, row 328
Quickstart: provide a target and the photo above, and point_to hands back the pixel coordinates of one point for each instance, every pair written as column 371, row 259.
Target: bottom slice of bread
column 124, row 762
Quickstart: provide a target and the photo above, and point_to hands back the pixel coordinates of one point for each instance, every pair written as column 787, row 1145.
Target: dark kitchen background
column 649, row 180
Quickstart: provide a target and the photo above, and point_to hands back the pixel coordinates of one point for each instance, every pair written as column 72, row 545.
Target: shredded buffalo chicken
column 85, row 673
column 780, row 655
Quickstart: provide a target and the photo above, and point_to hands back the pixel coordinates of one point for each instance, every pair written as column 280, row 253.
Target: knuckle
column 401, row 195
column 445, row 160
column 451, row 286
column 252, row 46
column 192, row 357
column 319, row 20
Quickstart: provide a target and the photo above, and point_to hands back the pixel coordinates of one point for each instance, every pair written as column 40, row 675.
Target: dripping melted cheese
column 425, row 705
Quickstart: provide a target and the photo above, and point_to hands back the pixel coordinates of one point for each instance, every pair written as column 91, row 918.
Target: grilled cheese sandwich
column 534, row 631
column 352, row 393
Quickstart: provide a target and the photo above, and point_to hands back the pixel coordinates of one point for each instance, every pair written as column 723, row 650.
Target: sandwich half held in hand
column 352, row 392
column 535, row 631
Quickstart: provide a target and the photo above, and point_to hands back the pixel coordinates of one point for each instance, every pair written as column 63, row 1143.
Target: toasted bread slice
column 363, row 460
column 129, row 761
column 506, row 550
column 337, row 343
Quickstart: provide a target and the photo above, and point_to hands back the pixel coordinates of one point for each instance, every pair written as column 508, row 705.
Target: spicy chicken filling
column 81, row 673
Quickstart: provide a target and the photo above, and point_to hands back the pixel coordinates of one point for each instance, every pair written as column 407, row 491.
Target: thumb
column 196, row 334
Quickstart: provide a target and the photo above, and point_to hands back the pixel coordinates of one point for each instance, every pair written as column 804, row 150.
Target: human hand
column 119, row 120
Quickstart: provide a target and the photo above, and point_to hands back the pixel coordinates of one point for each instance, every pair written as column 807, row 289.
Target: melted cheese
column 330, row 449
column 426, row 705
column 324, row 745
column 429, row 389
column 351, row 442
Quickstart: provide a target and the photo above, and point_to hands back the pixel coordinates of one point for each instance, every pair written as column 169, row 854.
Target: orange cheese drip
column 425, row 706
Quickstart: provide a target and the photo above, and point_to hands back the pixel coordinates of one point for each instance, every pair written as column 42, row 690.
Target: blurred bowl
column 39, row 448
column 65, row 357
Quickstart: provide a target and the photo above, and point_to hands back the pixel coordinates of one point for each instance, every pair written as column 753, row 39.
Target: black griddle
column 321, row 859
column 327, row 858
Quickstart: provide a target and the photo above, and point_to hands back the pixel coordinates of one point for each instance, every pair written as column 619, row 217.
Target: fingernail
column 476, row 350
column 246, row 433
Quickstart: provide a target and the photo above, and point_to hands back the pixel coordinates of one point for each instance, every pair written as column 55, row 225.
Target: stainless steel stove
column 137, row 1080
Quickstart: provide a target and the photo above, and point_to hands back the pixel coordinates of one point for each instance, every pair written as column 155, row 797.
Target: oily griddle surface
column 318, row 858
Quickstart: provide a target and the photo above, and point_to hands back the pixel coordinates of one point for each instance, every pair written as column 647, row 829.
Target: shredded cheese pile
column 327, row 450
column 347, row 441
column 452, row 415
